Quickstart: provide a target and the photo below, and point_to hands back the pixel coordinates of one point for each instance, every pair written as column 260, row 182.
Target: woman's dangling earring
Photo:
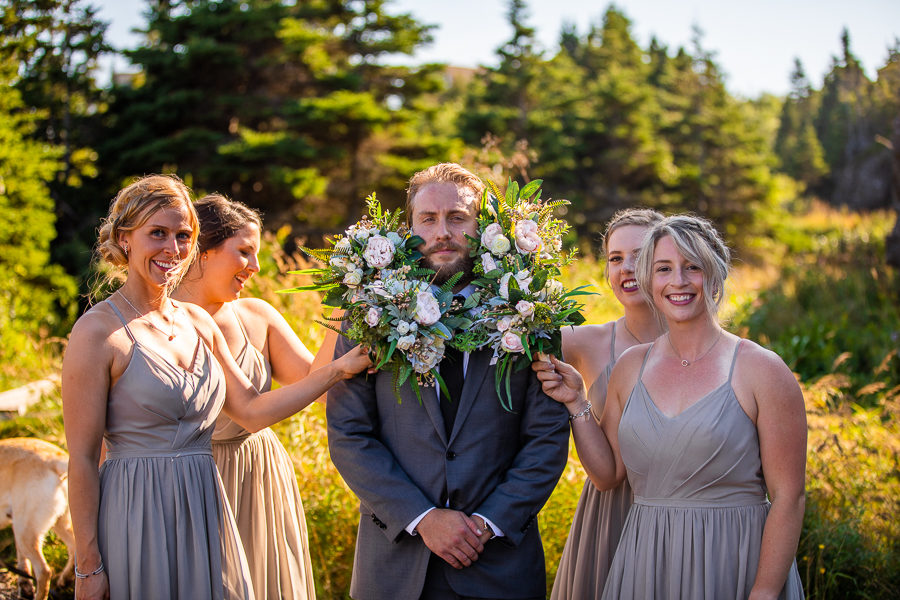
column 125, row 248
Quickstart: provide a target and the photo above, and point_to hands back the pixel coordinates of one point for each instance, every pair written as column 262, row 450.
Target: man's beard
column 444, row 272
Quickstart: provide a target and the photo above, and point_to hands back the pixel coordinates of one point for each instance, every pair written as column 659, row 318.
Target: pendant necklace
column 685, row 362
column 171, row 335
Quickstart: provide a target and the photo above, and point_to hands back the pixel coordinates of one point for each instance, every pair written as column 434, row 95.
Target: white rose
column 552, row 288
column 395, row 238
column 523, row 279
column 487, row 262
column 343, row 245
column 504, row 323
column 373, row 316
column 428, row 311
column 527, row 238
column 402, row 327
column 525, row 308
column 379, row 252
column 406, row 342
column 361, row 234
column 338, row 261
column 499, row 246
column 353, row 278
column 511, row 342
column 413, row 327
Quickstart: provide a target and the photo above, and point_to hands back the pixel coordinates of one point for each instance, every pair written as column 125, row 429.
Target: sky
column 755, row 42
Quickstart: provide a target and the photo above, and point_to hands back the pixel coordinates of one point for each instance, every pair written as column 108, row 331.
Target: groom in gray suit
column 449, row 491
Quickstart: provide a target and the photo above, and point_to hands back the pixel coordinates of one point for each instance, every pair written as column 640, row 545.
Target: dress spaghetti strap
column 734, row 359
column 121, row 318
column 612, row 344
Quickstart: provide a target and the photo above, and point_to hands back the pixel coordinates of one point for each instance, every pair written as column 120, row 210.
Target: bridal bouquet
column 372, row 273
column 522, row 304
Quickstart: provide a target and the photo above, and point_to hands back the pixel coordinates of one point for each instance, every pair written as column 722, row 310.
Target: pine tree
column 796, row 143
column 36, row 297
column 286, row 106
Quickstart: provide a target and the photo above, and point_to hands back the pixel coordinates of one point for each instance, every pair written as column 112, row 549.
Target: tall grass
column 815, row 296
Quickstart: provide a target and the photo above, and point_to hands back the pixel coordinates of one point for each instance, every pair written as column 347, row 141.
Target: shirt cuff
column 411, row 528
column 497, row 531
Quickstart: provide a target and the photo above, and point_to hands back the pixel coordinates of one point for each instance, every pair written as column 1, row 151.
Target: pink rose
column 525, row 308
column 379, row 252
column 373, row 316
column 527, row 238
column 511, row 342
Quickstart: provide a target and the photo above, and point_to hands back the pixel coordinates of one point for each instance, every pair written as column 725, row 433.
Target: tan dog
column 34, row 499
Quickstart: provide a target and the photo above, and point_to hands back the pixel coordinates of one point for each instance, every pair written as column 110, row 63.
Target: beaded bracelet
column 585, row 411
column 80, row 575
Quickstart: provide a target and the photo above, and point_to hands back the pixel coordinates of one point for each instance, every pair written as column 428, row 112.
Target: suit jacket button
column 451, row 455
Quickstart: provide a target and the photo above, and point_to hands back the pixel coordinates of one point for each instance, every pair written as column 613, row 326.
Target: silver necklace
column 631, row 333
column 171, row 335
column 685, row 362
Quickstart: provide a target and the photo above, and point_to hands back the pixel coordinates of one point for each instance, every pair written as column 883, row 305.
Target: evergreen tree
column 284, row 105
column 57, row 44
column 840, row 124
column 501, row 101
column 36, row 297
column 723, row 161
column 796, row 143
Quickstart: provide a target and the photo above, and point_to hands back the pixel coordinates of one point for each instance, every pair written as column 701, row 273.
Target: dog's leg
column 63, row 529
column 28, row 546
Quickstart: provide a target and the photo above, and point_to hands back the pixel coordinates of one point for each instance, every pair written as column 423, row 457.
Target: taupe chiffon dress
column 596, row 526
column 695, row 529
column 165, row 528
column 261, row 487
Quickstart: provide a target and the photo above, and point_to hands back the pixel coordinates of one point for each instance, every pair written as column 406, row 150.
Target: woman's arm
column 85, row 388
column 781, row 425
column 255, row 411
column 290, row 359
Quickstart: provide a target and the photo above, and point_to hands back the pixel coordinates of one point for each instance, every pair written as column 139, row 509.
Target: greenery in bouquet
column 389, row 303
column 518, row 257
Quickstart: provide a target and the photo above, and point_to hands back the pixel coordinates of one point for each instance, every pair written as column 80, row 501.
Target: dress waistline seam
column 159, row 453
column 689, row 503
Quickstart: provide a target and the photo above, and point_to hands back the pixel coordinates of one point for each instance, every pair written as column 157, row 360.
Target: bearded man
column 449, row 490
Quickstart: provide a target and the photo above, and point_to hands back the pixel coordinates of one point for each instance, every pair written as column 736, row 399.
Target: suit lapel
column 479, row 365
column 430, row 399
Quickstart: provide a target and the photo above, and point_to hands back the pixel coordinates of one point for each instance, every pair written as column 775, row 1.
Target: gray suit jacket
column 398, row 460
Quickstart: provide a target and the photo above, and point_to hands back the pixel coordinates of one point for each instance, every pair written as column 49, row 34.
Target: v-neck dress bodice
column 261, row 486
column 700, row 505
column 165, row 529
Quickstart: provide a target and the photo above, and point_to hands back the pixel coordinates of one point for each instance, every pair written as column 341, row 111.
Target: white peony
column 428, row 311
column 525, row 308
column 488, row 263
column 373, row 316
column 527, row 238
column 511, row 342
column 379, row 252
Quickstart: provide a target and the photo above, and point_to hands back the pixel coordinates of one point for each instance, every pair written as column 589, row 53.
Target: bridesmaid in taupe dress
column 149, row 375
column 257, row 472
column 593, row 349
column 711, row 431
